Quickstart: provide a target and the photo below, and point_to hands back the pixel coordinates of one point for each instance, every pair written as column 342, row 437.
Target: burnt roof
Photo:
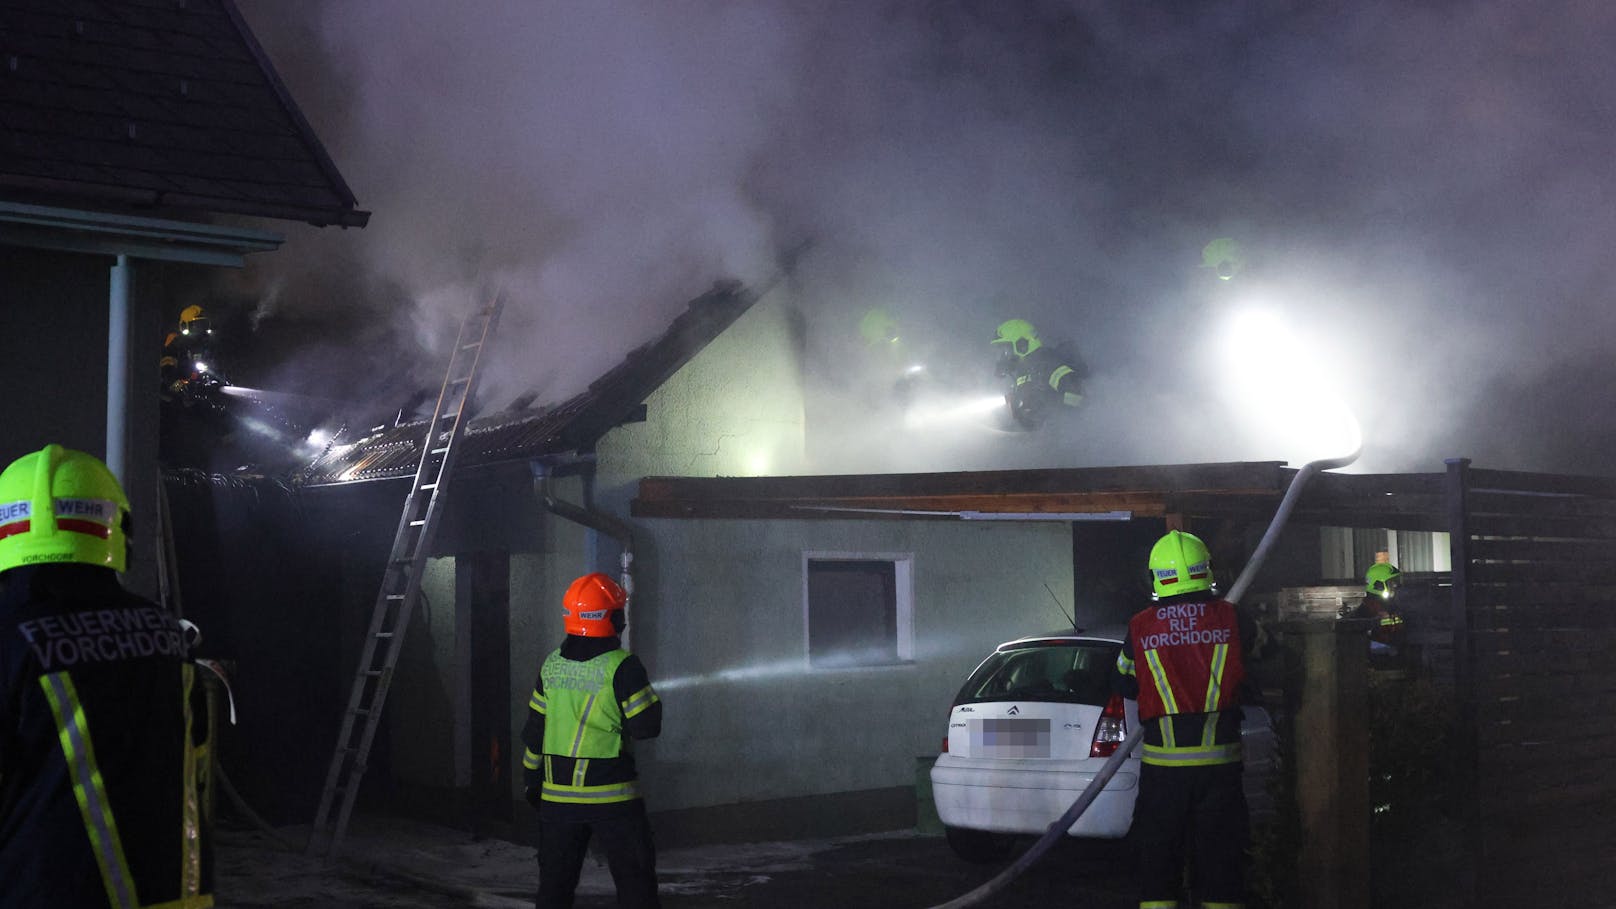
column 155, row 106
column 574, row 425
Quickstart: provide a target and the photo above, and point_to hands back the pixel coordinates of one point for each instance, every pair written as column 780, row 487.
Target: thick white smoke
column 1422, row 193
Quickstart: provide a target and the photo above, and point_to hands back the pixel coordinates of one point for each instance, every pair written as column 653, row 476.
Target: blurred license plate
column 1010, row 738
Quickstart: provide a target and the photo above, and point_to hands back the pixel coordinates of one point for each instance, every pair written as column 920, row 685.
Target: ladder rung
column 345, row 779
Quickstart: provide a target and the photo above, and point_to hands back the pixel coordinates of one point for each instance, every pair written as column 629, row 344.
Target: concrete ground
column 409, row 865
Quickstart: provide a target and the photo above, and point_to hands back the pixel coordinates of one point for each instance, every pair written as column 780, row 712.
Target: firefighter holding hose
column 1183, row 660
column 591, row 699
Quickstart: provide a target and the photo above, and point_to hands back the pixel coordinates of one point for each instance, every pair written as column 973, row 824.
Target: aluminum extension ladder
column 401, row 582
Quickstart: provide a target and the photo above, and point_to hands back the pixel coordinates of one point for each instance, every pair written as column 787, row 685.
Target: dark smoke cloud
column 1423, row 192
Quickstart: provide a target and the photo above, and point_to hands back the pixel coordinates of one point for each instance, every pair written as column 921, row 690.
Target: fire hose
column 1109, row 769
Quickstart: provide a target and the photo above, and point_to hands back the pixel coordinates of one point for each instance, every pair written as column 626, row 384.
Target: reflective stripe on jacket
column 583, row 721
column 1187, row 658
column 100, row 720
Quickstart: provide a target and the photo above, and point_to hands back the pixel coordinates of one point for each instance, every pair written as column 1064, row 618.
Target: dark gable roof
column 166, row 105
column 574, row 425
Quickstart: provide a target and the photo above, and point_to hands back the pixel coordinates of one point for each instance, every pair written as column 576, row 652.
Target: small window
column 858, row 610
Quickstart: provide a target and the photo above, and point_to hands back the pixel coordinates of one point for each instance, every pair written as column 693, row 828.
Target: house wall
column 720, row 626
column 54, row 317
column 717, row 597
column 736, row 409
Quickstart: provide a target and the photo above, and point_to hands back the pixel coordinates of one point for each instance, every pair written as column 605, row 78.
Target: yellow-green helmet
column 61, row 505
column 1224, row 256
column 878, row 327
column 1180, row 563
column 1381, row 579
column 1020, row 335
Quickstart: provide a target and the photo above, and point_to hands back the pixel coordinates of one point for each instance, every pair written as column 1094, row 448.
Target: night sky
column 1424, row 194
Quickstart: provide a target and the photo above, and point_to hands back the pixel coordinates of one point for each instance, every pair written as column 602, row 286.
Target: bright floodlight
column 1287, row 386
column 200, row 366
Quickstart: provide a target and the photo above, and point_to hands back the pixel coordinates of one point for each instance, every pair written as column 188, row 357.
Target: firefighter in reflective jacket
column 1380, row 585
column 1183, row 660
column 100, row 713
column 1043, row 378
column 592, row 698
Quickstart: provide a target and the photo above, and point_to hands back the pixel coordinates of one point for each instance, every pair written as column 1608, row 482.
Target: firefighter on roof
column 1043, row 378
column 1184, row 662
column 591, row 700
column 892, row 359
column 100, row 712
column 189, row 366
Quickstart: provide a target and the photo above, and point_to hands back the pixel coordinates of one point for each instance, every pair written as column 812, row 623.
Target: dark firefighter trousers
column 1203, row 807
column 625, row 837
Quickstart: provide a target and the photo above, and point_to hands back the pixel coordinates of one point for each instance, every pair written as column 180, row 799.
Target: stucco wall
column 420, row 703
column 718, row 597
column 54, row 314
column 719, row 622
column 736, row 409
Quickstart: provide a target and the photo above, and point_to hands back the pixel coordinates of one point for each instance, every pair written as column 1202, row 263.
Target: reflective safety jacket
column 591, row 698
column 1046, row 371
column 1184, row 661
column 1388, row 628
column 100, row 721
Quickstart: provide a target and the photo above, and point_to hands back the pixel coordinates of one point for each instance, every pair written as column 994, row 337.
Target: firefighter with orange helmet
column 1184, row 662
column 101, row 745
column 592, row 699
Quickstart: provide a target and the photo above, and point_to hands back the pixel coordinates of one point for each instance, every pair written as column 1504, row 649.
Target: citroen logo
column 1014, row 710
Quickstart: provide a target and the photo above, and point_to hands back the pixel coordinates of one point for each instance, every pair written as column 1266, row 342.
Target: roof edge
column 327, row 166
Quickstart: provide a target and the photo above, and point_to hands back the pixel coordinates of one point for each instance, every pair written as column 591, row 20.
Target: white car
column 1029, row 730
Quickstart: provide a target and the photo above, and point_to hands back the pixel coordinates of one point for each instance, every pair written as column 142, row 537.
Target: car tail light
column 1111, row 730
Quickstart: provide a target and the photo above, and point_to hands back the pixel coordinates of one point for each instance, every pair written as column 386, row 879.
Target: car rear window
column 1067, row 672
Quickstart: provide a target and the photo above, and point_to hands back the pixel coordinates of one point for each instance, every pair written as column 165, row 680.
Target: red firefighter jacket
column 1186, row 658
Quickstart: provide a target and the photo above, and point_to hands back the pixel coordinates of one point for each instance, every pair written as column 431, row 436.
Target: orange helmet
column 593, row 607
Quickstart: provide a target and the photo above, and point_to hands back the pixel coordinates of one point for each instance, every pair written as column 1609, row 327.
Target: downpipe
column 1058, row 828
column 618, row 530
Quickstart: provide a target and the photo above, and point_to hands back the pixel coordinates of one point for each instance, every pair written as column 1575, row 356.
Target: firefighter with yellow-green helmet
column 1044, row 378
column 1183, row 660
column 100, row 710
column 1379, row 605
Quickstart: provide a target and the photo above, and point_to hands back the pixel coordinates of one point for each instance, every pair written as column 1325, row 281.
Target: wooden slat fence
column 1534, row 632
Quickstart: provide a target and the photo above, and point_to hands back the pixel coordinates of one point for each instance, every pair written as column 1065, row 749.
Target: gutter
column 585, row 515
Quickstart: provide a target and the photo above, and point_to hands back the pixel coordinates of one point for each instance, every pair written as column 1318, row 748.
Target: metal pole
column 118, row 370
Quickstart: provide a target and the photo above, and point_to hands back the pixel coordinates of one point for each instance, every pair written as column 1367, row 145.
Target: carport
column 1529, row 622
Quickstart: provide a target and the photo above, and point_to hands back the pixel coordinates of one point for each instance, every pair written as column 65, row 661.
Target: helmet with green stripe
column 1180, row 563
column 1381, row 579
column 62, row 505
